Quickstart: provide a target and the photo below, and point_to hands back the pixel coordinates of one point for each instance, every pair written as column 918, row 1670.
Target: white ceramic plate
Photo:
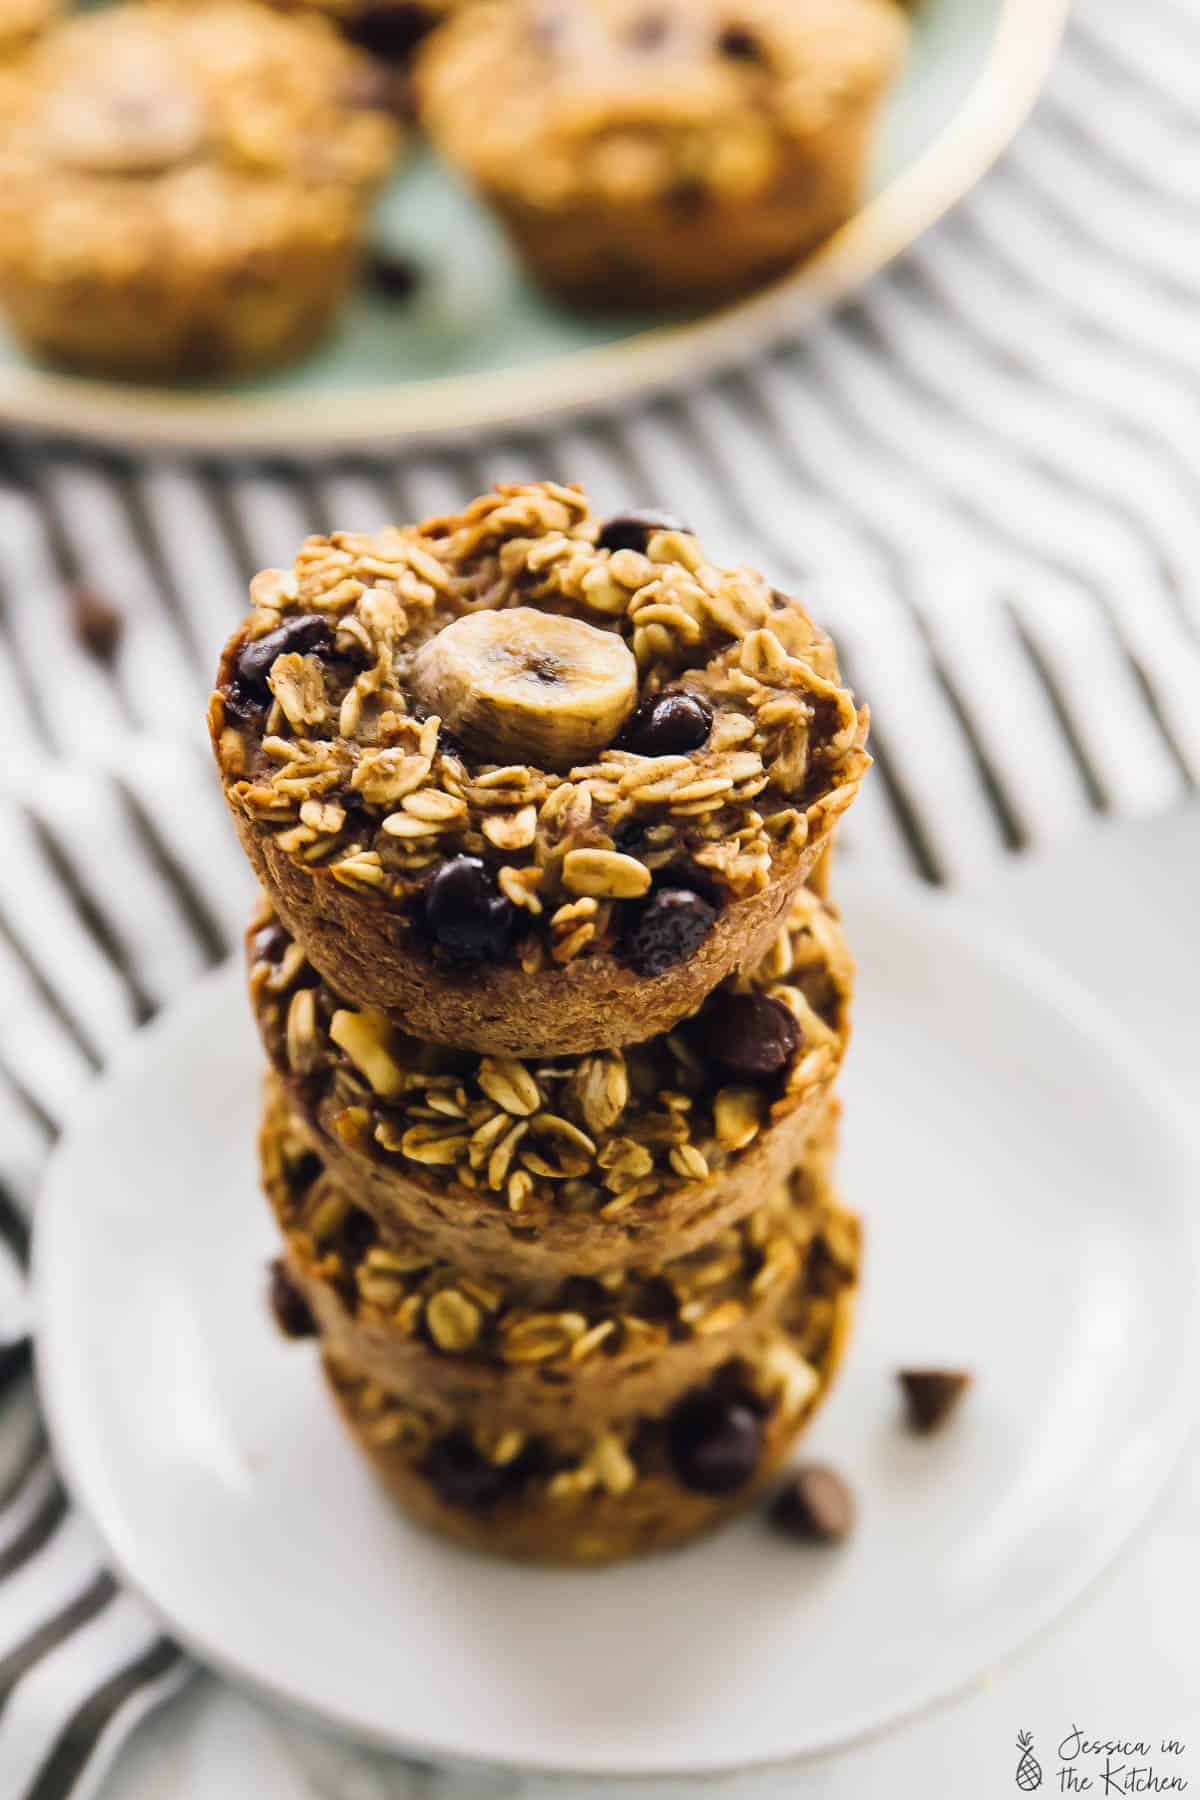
column 478, row 347
column 1031, row 1200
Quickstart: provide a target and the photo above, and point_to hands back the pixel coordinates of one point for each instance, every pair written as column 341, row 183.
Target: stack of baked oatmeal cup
column 554, row 1004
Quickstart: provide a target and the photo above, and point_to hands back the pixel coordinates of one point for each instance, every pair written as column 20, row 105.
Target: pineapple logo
column 1029, row 1769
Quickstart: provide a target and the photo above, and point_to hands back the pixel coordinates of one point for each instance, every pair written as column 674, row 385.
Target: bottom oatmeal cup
column 588, row 1495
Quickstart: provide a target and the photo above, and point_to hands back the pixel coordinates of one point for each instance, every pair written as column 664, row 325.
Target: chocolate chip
column 729, row 1384
column 391, row 33
column 359, row 1233
column 633, row 530
column 749, row 1034
column 650, row 31
column 291, row 1309
column 96, row 622
column 464, row 915
column 931, row 1395
column 392, row 277
column 304, row 1171
column 667, row 928
column 448, row 744
column 269, row 943
column 714, row 1442
column 740, row 44
column 304, row 632
column 546, row 29
column 462, row 1477
column 688, row 196
column 669, row 725
column 815, row 1506
column 630, row 837
column 371, row 88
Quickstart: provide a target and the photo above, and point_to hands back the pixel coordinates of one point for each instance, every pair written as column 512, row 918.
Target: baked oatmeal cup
column 534, row 1350
column 570, row 1164
column 22, row 22
column 530, row 781
column 183, row 188
column 662, row 152
column 600, row 1491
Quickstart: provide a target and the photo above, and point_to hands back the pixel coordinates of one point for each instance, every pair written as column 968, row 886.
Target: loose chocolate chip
column 750, row 1035
column 464, row 915
column 391, row 33
column 815, row 1506
column 666, row 928
column 291, row 1309
column 633, row 530
column 462, row 1477
column 714, row 1442
column 740, row 44
column 307, row 631
column 392, row 277
column 669, row 725
column 931, row 1395
column 96, row 622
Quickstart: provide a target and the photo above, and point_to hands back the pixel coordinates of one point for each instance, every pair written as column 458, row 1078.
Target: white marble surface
column 1119, row 912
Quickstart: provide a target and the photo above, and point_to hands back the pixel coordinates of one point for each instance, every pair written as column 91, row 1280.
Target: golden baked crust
column 575, row 1164
column 537, row 1349
column 583, row 1493
column 22, row 22
column 183, row 187
column 351, row 797
column 668, row 154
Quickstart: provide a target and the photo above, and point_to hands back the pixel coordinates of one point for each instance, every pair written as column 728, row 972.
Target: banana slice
column 136, row 116
column 528, row 686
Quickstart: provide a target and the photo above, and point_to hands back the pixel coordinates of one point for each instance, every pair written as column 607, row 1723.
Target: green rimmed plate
column 478, row 348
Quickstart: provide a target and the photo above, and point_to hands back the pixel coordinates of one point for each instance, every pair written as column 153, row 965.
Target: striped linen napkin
column 981, row 476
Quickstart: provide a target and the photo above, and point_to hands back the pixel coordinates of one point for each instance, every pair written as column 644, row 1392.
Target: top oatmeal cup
column 532, row 781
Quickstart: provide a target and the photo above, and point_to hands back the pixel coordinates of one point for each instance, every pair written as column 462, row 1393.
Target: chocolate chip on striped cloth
column 96, row 622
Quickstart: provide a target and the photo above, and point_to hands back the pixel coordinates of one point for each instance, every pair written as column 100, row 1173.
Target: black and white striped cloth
column 983, row 476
